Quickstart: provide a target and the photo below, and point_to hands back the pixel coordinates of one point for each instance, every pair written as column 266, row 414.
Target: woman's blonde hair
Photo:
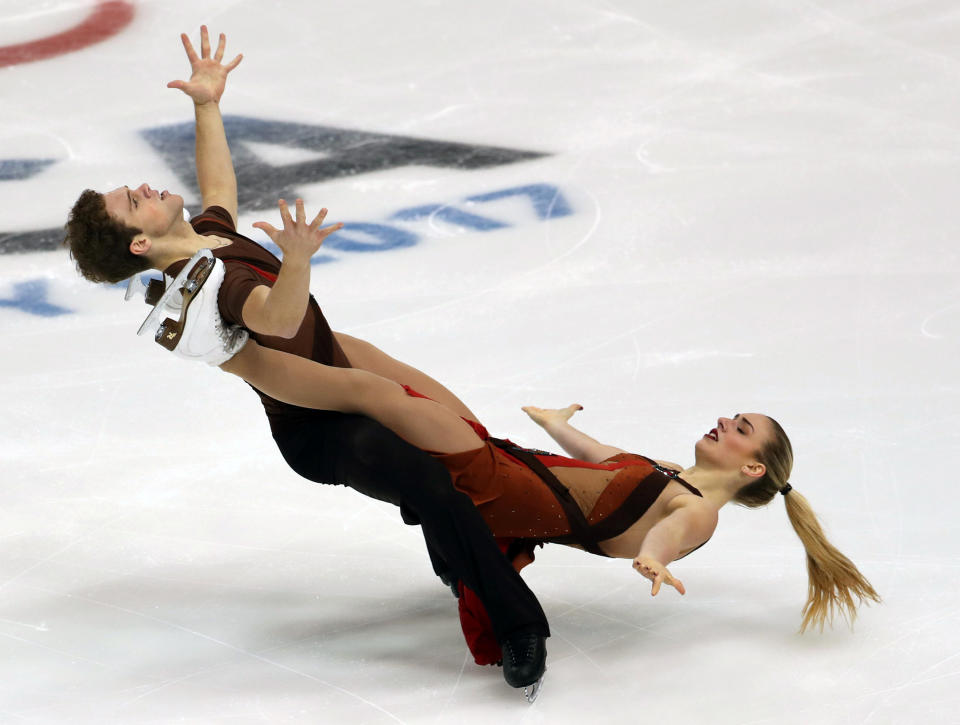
column 833, row 580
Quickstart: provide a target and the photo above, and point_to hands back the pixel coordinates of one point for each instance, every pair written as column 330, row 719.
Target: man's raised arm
column 215, row 175
column 279, row 310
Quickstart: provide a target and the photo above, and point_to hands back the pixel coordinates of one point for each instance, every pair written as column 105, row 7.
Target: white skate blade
column 135, row 286
column 531, row 692
column 159, row 310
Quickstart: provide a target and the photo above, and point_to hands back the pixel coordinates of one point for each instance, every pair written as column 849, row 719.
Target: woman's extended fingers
column 659, row 575
column 536, row 414
column 668, row 578
column 540, row 416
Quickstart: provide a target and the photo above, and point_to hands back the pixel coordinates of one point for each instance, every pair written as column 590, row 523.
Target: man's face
column 154, row 212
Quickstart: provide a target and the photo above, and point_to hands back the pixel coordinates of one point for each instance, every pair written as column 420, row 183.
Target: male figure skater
column 126, row 231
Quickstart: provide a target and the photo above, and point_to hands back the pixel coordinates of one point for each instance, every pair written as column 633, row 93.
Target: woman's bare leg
column 366, row 356
column 299, row 381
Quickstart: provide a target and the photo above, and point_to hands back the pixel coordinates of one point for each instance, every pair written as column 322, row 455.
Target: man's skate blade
column 531, row 692
column 135, row 287
column 158, row 312
column 153, row 319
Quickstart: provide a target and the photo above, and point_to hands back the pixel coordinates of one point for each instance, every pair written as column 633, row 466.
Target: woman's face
column 735, row 442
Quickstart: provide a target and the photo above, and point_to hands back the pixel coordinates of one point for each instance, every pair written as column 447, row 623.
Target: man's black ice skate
column 524, row 662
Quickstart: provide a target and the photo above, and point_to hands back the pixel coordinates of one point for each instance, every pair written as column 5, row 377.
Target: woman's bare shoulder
column 670, row 465
column 695, row 506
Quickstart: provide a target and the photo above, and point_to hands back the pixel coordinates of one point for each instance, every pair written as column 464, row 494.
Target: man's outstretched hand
column 209, row 76
column 298, row 240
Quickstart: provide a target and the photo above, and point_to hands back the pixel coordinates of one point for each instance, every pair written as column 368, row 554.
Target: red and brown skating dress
column 530, row 497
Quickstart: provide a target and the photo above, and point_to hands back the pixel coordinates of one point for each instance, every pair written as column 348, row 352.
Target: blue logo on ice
column 546, row 200
column 318, row 153
column 31, row 297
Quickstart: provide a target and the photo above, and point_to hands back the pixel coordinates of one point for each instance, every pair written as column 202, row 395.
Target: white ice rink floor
column 739, row 206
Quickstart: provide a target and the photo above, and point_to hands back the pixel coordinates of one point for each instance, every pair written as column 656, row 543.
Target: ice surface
column 760, row 215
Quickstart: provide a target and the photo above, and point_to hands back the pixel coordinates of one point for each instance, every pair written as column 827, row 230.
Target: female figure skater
column 604, row 500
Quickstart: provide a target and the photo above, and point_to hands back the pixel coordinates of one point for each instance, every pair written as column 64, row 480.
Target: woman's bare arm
column 366, row 356
column 689, row 522
column 308, row 384
column 576, row 443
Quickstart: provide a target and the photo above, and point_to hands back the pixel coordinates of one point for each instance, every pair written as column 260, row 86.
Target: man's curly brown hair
column 99, row 244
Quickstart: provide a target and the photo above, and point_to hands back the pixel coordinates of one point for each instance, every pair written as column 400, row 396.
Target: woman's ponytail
column 834, row 583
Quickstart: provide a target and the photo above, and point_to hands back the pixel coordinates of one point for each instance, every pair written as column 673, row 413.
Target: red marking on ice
column 107, row 19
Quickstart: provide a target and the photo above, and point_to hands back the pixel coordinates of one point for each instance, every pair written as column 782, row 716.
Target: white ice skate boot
column 191, row 325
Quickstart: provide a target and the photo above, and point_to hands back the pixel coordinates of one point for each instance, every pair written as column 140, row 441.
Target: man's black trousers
column 358, row 452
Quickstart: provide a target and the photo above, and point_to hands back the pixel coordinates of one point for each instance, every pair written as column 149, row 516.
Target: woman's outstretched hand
column 209, row 76
column 657, row 573
column 545, row 416
column 297, row 239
